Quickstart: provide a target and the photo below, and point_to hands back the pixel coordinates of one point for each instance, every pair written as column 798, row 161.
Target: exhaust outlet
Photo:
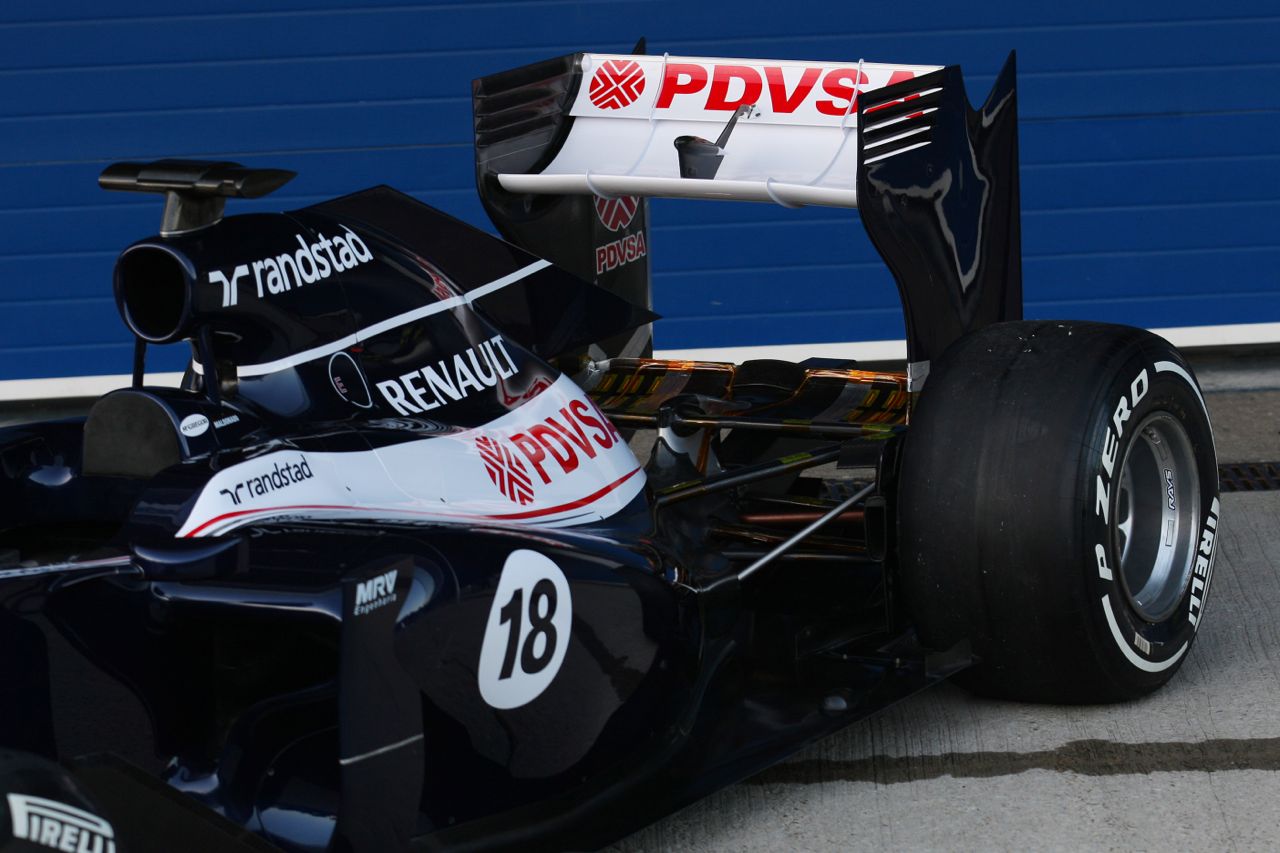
column 153, row 290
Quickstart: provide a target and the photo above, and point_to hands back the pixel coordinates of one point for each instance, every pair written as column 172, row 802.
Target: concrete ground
column 1192, row 767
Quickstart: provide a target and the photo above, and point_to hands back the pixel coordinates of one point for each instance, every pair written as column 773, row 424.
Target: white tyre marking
column 527, row 633
column 1139, row 662
column 1176, row 369
column 1138, row 639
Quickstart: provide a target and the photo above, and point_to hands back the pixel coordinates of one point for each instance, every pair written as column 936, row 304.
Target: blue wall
column 1150, row 148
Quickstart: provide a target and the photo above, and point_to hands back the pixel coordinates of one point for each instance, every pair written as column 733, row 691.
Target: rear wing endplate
column 936, row 181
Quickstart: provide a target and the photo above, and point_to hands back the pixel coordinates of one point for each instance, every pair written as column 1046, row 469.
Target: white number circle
column 527, row 633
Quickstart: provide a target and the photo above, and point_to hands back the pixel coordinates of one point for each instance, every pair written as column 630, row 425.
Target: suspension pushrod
column 749, row 474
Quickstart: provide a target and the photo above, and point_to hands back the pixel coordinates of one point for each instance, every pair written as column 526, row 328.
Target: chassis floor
column 1195, row 766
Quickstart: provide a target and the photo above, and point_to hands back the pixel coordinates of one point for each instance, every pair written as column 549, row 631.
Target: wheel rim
column 1157, row 507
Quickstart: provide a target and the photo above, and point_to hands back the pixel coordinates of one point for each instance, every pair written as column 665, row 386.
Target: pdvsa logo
column 505, row 470
column 724, row 88
column 819, row 94
column 554, row 447
column 617, row 213
column 620, row 252
column 616, row 84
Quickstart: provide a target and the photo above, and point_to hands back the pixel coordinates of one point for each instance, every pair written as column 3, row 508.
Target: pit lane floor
column 1192, row 767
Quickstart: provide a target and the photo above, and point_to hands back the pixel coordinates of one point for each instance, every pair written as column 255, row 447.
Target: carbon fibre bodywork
column 253, row 683
column 385, row 573
column 247, row 671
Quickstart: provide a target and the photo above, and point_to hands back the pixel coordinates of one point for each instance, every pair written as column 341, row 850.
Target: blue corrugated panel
column 1150, row 148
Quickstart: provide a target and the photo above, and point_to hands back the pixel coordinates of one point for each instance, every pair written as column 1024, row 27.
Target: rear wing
column 566, row 147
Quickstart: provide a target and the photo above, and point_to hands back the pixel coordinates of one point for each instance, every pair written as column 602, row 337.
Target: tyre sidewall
column 1134, row 653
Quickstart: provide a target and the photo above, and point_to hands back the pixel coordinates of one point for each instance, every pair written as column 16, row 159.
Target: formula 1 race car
column 386, row 571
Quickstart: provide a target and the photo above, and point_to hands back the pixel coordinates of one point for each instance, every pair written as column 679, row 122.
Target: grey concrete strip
column 1246, row 425
column 1240, row 369
column 1036, row 810
column 1253, row 378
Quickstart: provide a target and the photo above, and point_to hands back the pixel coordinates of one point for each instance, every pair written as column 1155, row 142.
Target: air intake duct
column 156, row 294
column 260, row 286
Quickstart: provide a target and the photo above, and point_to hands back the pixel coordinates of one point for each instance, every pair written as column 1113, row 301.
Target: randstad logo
column 291, row 269
column 281, row 476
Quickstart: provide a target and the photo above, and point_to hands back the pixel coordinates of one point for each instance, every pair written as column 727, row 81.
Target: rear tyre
column 1058, row 508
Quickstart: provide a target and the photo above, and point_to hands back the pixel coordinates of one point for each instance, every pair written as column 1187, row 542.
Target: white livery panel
column 794, row 144
column 556, row 461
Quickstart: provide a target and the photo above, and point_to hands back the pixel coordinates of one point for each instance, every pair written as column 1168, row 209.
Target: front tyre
column 1058, row 508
